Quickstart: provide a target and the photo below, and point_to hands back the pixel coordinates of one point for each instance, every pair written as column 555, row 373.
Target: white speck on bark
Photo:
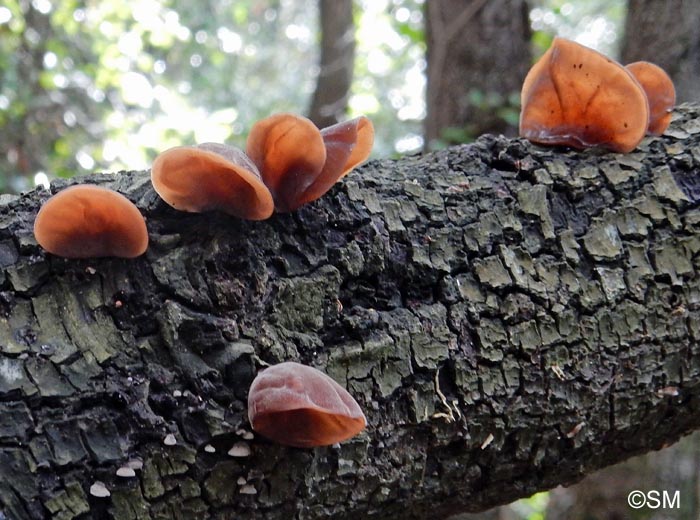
column 99, row 490
column 240, row 449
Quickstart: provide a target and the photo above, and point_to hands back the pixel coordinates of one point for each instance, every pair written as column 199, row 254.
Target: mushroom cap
column 300, row 406
column 210, row 177
column 347, row 144
column 290, row 153
column 660, row 92
column 87, row 221
column 578, row 97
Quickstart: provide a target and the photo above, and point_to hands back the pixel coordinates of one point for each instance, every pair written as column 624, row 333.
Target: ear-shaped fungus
column 298, row 162
column 347, row 145
column 89, row 221
column 577, row 97
column 209, row 177
column 289, row 152
column 660, row 92
column 300, row 406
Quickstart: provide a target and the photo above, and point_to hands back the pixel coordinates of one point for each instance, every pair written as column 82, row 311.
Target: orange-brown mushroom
column 347, row 145
column 88, row 221
column 298, row 162
column 289, row 152
column 660, row 92
column 300, row 406
column 210, row 177
column 578, row 97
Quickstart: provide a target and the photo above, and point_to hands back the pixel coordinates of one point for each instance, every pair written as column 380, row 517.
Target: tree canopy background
column 101, row 86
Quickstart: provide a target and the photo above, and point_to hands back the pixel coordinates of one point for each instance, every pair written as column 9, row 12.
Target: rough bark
column 329, row 102
column 474, row 46
column 509, row 317
column 666, row 33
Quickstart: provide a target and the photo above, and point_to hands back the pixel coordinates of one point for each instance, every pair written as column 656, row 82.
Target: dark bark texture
column 666, row 33
column 474, row 46
column 510, row 318
column 329, row 102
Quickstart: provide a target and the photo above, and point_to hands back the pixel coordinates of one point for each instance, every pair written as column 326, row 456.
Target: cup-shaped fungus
column 347, row 145
column 578, row 97
column 660, row 92
column 300, row 406
column 88, row 221
column 299, row 163
column 209, row 177
column 289, row 152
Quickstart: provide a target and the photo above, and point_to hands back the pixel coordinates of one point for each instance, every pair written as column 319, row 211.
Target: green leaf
column 415, row 34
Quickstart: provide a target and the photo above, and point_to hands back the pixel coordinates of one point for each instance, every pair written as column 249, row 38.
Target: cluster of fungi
column 288, row 162
column 577, row 97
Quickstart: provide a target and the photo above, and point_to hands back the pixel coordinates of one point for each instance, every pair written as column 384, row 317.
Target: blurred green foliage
column 489, row 106
column 101, row 86
column 532, row 508
column 594, row 23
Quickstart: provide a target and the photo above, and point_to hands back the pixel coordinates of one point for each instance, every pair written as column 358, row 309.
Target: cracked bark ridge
column 509, row 317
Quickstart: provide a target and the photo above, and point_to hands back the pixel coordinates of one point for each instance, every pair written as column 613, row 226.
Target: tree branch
column 509, row 317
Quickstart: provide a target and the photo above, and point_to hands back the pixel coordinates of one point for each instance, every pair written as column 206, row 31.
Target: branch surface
column 509, row 317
